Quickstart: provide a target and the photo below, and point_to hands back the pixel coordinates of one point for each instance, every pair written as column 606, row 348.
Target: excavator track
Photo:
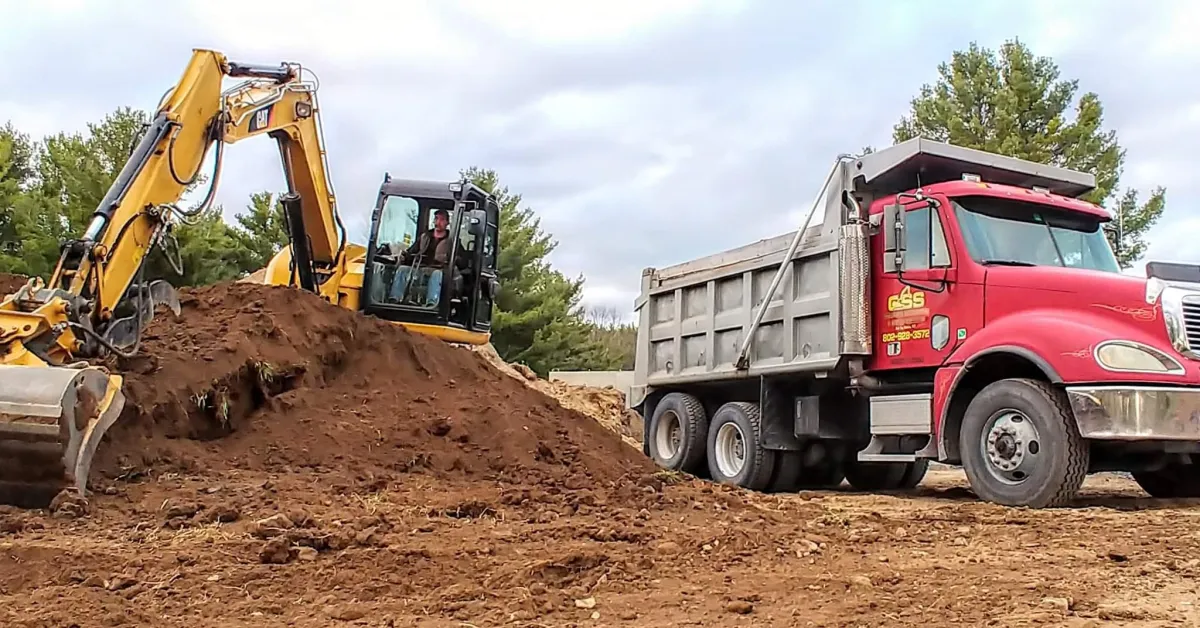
column 52, row 419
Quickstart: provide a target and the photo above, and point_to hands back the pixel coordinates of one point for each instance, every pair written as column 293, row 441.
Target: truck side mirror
column 1114, row 230
column 895, row 238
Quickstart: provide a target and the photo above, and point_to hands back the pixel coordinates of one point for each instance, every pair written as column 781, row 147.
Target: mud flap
column 58, row 412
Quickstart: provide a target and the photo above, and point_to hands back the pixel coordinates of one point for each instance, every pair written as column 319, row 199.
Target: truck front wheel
column 1020, row 445
column 735, row 447
column 678, row 431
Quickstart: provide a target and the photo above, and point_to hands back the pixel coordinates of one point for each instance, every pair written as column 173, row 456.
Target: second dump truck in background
column 953, row 305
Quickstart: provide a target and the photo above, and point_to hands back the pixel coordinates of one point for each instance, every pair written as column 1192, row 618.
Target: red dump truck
column 954, row 305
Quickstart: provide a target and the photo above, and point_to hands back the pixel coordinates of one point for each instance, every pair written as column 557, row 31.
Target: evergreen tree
column 537, row 319
column 262, row 233
column 1014, row 103
column 64, row 178
column 49, row 190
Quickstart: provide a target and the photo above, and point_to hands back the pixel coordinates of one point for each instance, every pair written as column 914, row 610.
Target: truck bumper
column 1136, row 412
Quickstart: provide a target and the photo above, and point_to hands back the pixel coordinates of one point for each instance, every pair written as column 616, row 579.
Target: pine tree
column 538, row 319
column 1014, row 103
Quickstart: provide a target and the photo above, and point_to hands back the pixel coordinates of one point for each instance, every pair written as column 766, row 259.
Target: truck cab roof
column 937, row 167
column 984, row 188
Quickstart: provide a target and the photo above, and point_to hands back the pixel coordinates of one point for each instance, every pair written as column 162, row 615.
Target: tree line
column 1008, row 101
column 50, row 187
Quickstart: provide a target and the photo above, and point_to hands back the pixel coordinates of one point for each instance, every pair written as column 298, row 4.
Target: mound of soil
column 273, row 379
column 604, row 405
column 10, row 283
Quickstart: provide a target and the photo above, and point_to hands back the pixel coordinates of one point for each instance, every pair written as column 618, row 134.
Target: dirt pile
column 273, row 379
column 10, row 283
column 605, row 405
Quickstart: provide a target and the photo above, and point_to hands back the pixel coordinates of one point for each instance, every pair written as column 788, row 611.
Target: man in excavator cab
column 427, row 257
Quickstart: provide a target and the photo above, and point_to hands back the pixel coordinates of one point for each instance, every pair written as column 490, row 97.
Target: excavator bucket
column 51, row 422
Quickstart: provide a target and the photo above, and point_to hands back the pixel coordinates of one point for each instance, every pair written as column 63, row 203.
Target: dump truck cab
column 953, row 306
column 431, row 258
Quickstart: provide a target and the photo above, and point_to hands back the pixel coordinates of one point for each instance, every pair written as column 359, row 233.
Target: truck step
column 869, row 457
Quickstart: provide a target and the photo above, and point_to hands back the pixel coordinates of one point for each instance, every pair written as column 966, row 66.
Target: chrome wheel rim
column 730, row 449
column 1011, row 446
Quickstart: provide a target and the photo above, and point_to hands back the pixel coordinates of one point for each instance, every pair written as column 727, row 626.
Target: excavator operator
column 431, row 251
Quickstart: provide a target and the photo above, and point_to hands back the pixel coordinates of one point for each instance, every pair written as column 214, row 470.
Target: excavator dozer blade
column 51, row 422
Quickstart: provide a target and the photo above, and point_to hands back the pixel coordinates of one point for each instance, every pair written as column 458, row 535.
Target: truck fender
column 1017, row 350
column 1018, row 346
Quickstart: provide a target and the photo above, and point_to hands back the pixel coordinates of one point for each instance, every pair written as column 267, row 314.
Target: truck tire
column 735, row 448
column 825, row 475
column 1020, row 445
column 914, row 473
column 678, row 431
column 876, row 476
column 1174, row 481
column 789, row 470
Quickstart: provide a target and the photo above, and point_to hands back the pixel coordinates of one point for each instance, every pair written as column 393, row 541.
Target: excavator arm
column 96, row 303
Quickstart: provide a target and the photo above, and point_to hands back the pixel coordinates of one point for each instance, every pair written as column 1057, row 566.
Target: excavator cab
column 431, row 258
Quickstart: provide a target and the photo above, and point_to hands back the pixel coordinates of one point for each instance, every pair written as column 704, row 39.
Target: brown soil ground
column 287, row 463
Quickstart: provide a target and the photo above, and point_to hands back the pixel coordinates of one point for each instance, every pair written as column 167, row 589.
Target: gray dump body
column 692, row 317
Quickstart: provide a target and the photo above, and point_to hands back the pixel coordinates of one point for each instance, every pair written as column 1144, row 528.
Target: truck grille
column 1191, row 321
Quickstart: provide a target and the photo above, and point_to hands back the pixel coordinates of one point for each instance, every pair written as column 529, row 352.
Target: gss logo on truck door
column 906, row 299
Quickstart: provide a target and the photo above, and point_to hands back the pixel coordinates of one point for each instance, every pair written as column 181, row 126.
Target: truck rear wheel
column 825, row 475
column 1173, row 481
column 789, row 466
column 1020, row 445
column 877, row 476
column 735, row 447
column 678, row 431
column 914, row 474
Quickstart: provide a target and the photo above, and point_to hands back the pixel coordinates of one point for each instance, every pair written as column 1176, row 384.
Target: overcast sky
column 643, row 132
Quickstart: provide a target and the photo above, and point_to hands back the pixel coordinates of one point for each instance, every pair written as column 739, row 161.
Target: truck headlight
column 1134, row 357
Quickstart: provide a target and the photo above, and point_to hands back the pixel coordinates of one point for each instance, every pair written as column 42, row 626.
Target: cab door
column 487, row 255
column 917, row 302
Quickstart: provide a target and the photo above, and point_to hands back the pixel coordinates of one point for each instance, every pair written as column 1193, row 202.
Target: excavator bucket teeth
column 51, row 422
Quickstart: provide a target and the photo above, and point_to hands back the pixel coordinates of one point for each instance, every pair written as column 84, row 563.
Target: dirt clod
column 276, row 551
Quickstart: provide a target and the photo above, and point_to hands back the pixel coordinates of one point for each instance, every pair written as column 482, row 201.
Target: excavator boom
column 55, row 401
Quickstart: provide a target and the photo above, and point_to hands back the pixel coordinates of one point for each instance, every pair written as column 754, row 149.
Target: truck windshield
column 1005, row 231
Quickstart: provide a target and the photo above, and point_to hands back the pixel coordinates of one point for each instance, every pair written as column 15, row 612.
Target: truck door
column 917, row 321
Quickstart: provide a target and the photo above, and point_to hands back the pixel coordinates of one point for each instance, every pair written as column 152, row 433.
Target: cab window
column 398, row 222
column 466, row 239
column 925, row 242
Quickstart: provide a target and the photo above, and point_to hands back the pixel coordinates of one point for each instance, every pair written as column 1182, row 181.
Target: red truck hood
column 1080, row 293
column 1114, row 288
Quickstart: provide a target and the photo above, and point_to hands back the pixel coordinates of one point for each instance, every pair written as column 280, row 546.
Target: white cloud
column 643, row 133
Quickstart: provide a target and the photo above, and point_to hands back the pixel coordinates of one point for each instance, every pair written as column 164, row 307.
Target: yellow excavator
column 56, row 402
